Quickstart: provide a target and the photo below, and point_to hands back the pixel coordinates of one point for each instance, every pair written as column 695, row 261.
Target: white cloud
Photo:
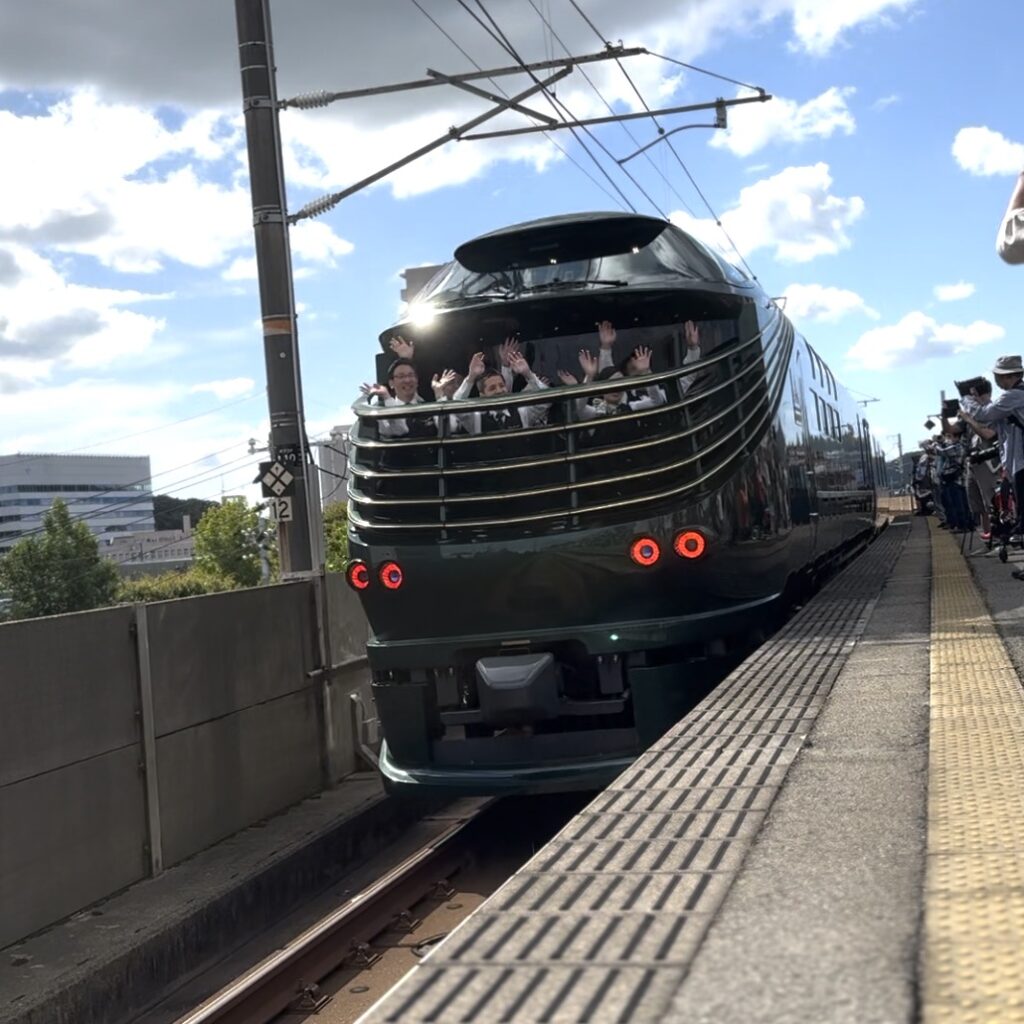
column 98, row 184
column 818, row 24
column 754, row 126
column 225, row 390
column 954, row 292
column 918, row 337
column 824, row 303
column 47, row 321
column 242, row 268
column 985, row 152
column 883, row 102
column 793, row 213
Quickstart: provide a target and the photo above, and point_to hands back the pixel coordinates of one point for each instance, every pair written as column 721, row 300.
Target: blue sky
column 128, row 305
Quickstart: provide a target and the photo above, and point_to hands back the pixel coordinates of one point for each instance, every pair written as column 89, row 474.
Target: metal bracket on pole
column 149, row 762
column 325, row 203
column 255, row 102
column 493, row 97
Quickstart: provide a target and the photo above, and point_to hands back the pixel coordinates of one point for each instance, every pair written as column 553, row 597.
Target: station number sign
column 281, row 509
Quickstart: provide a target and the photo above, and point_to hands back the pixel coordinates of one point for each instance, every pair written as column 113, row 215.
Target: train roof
column 560, row 239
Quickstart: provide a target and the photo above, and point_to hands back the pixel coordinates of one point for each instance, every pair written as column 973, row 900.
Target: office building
column 109, row 493
column 332, row 458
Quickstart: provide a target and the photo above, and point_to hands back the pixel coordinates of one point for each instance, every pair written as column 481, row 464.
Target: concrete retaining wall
column 133, row 737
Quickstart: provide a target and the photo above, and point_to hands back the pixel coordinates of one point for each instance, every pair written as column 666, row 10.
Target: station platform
column 835, row 834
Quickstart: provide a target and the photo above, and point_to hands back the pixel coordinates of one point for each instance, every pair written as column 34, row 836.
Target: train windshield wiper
column 552, row 286
column 466, row 300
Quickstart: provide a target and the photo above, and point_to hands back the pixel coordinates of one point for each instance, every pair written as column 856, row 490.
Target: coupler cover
column 519, row 688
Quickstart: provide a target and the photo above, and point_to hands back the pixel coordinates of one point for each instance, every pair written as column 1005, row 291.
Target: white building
column 150, row 551
column 109, row 493
column 332, row 458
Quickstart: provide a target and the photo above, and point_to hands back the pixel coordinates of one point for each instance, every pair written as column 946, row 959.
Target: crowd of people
column 972, row 472
column 498, row 377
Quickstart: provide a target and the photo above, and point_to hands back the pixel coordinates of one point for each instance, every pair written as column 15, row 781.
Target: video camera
column 984, row 455
column 964, row 387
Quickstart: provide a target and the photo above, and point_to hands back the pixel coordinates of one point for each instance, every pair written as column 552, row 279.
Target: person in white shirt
column 492, row 384
column 632, row 366
column 1010, row 243
column 403, row 389
column 615, row 402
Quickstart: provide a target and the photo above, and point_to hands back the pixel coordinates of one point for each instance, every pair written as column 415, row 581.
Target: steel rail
column 270, row 987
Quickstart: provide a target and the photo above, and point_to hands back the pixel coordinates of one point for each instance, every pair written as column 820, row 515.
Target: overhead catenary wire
column 139, row 433
column 121, row 504
column 675, row 153
column 560, row 108
column 550, row 137
column 611, row 109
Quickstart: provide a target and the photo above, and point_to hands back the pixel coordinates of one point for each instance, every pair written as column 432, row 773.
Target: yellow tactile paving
column 974, row 888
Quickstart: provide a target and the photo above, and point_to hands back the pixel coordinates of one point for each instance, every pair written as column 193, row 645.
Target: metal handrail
column 549, row 460
column 362, row 499
column 773, row 395
column 526, row 398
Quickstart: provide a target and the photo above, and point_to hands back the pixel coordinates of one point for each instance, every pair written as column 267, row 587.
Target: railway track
column 472, row 856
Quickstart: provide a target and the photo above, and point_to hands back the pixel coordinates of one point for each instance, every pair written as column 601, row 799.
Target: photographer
column 983, row 463
column 952, row 478
column 1006, row 416
column 1010, row 243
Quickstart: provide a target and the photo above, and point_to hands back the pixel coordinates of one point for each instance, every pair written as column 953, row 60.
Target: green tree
column 336, row 536
column 169, row 585
column 168, row 510
column 59, row 570
column 228, row 543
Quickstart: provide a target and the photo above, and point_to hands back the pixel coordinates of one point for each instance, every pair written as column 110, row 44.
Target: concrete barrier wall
column 235, row 710
column 222, row 696
column 72, row 797
column 348, row 631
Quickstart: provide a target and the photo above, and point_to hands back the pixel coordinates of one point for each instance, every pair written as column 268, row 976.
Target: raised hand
column 517, row 364
column 476, row 366
column 369, row 390
column 507, row 349
column 588, row 364
column 606, row 334
column 440, row 381
column 642, row 359
column 402, row 348
column 568, row 379
column 692, row 334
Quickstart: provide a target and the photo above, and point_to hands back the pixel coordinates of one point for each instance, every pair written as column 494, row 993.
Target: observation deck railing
column 553, row 476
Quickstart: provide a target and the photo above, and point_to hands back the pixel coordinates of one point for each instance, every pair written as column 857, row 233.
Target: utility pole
column 288, row 445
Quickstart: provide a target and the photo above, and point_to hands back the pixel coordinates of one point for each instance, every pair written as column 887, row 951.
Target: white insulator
column 310, row 100
column 315, row 208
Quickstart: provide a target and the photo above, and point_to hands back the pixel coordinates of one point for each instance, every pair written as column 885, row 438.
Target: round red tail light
column 391, row 575
column 690, row 544
column 358, row 575
column 645, row 551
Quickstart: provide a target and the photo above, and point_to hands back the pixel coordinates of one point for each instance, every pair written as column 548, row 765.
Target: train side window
column 817, row 413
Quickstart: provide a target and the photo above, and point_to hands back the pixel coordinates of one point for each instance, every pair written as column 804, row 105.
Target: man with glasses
column 403, row 389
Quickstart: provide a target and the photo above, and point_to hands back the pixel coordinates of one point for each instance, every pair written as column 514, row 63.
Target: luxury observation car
column 537, row 596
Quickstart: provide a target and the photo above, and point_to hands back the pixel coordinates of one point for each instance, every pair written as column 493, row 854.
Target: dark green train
column 538, row 595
